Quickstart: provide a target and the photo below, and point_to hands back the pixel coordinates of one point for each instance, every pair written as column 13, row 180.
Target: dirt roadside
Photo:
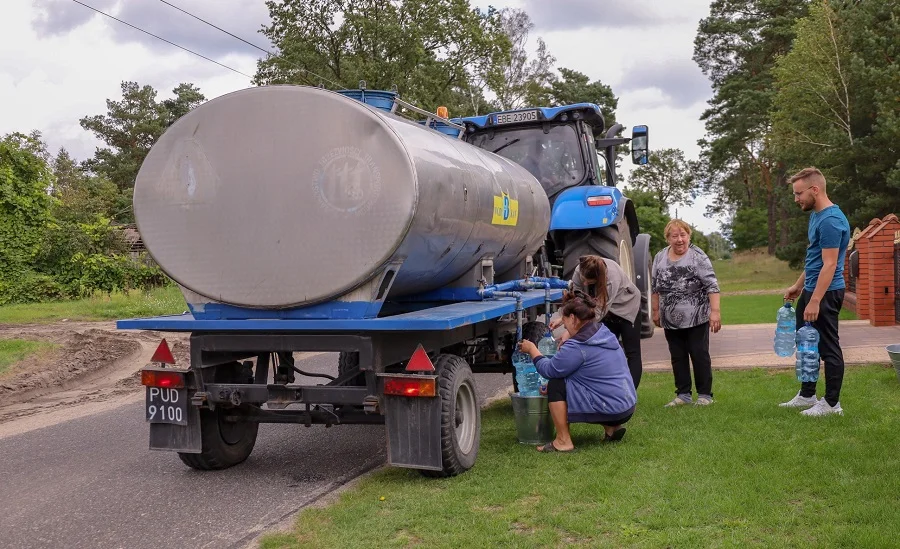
column 93, row 363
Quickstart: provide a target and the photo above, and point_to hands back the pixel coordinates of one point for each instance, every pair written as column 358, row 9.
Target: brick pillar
column 847, row 269
column 863, row 290
column 880, row 275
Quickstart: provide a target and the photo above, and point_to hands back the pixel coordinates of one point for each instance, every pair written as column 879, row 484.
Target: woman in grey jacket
column 588, row 376
column 618, row 305
column 685, row 301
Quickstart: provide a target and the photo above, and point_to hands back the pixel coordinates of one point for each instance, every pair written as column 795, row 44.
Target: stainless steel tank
column 283, row 196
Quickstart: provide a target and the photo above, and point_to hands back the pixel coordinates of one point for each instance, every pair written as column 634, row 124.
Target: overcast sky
column 60, row 61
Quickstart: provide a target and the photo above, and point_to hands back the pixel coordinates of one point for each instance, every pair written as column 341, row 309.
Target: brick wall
column 875, row 286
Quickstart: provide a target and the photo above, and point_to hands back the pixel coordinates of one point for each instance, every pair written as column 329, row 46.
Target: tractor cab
column 562, row 147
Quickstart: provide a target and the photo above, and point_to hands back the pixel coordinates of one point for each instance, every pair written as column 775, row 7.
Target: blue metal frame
column 571, row 210
column 445, row 317
column 322, row 311
column 379, row 99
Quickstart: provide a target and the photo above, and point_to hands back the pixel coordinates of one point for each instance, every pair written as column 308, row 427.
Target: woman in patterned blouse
column 685, row 301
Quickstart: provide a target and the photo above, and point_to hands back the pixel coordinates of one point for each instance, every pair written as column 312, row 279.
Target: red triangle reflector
column 163, row 354
column 419, row 361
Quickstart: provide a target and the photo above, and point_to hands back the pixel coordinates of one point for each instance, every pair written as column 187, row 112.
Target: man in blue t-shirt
column 821, row 288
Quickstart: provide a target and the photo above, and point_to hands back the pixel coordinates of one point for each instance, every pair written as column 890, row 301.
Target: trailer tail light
column 599, row 201
column 412, row 386
column 169, row 379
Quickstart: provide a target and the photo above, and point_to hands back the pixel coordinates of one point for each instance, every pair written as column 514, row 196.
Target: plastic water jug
column 526, row 374
column 807, row 354
column 785, row 330
column 532, row 386
column 547, row 347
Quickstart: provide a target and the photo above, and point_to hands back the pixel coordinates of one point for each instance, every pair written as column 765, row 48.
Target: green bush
column 87, row 274
column 30, row 287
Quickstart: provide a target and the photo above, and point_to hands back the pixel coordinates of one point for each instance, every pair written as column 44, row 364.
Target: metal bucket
column 893, row 351
column 533, row 422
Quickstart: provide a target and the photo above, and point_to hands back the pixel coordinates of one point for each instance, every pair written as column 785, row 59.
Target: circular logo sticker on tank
column 347, row 180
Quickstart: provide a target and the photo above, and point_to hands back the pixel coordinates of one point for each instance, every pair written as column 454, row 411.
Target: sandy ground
column 93, row 363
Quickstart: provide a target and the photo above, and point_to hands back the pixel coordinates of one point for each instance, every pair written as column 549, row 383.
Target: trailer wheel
column 460, row 416
column 613, row 242
column 349, row 362
column 223, row 443
column 642, row 261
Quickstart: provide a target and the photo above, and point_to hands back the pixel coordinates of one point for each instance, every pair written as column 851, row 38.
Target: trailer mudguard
column 180, row 438
column 413, row 429
column 586, row 207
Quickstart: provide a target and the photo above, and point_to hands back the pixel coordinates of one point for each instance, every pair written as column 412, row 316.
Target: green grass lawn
column 14, row 350
column 754, row 270
column 740, row 473
column 758, row 309
column 161, row 301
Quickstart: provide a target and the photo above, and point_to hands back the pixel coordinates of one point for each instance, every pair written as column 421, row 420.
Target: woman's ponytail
column 593, row 269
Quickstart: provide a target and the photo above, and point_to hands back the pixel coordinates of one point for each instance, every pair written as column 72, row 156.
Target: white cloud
column 50, row 80
column 242, row 18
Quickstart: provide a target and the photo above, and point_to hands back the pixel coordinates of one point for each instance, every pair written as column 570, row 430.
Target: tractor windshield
column 554, row 157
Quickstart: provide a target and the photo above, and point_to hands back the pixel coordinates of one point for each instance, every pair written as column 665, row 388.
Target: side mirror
column 639, row 149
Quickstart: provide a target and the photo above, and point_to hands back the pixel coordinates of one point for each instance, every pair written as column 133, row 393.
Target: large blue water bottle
column 807, row 354
column 547, row 347
column 526, row 374
column 532, row 386
column 785, row 330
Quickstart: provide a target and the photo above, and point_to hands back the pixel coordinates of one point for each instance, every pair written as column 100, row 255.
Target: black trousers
column 691, row 345
column 829, row 343
column 629, row 333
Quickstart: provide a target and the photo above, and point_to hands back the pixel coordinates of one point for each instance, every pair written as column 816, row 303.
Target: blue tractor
column 572, row 154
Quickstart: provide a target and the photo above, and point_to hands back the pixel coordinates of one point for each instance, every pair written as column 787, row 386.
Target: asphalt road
column 92, row 482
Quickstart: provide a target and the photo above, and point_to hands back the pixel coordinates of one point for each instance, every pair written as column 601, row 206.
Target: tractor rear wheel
column 643, row 261
column 613, row 242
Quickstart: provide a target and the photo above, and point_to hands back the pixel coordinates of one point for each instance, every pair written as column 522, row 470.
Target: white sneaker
column 800, row 402
column 679, row 400
column 822, row 408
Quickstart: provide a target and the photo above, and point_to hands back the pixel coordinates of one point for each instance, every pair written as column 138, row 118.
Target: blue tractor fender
column 586, row 207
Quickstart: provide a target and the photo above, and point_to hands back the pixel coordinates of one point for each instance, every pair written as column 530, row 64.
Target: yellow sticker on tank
column 605, row 220
column 506, row 210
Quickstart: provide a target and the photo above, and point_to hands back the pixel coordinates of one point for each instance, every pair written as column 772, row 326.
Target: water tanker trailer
column 299, row 219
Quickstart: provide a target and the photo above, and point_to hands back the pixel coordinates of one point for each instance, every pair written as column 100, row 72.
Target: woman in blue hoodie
column 589, row 380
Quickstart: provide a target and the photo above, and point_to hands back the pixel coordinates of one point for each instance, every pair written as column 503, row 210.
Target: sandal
column 617, row 435
column 549, row 447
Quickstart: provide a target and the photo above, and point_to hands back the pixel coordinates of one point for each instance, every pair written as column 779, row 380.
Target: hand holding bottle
column 529, row 348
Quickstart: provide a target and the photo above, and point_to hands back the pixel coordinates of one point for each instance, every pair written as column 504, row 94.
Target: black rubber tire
column 613, row 242
column 349, row 362
column 533, row 332
column 642, row 263
column 223, row 443
column 460, row 416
